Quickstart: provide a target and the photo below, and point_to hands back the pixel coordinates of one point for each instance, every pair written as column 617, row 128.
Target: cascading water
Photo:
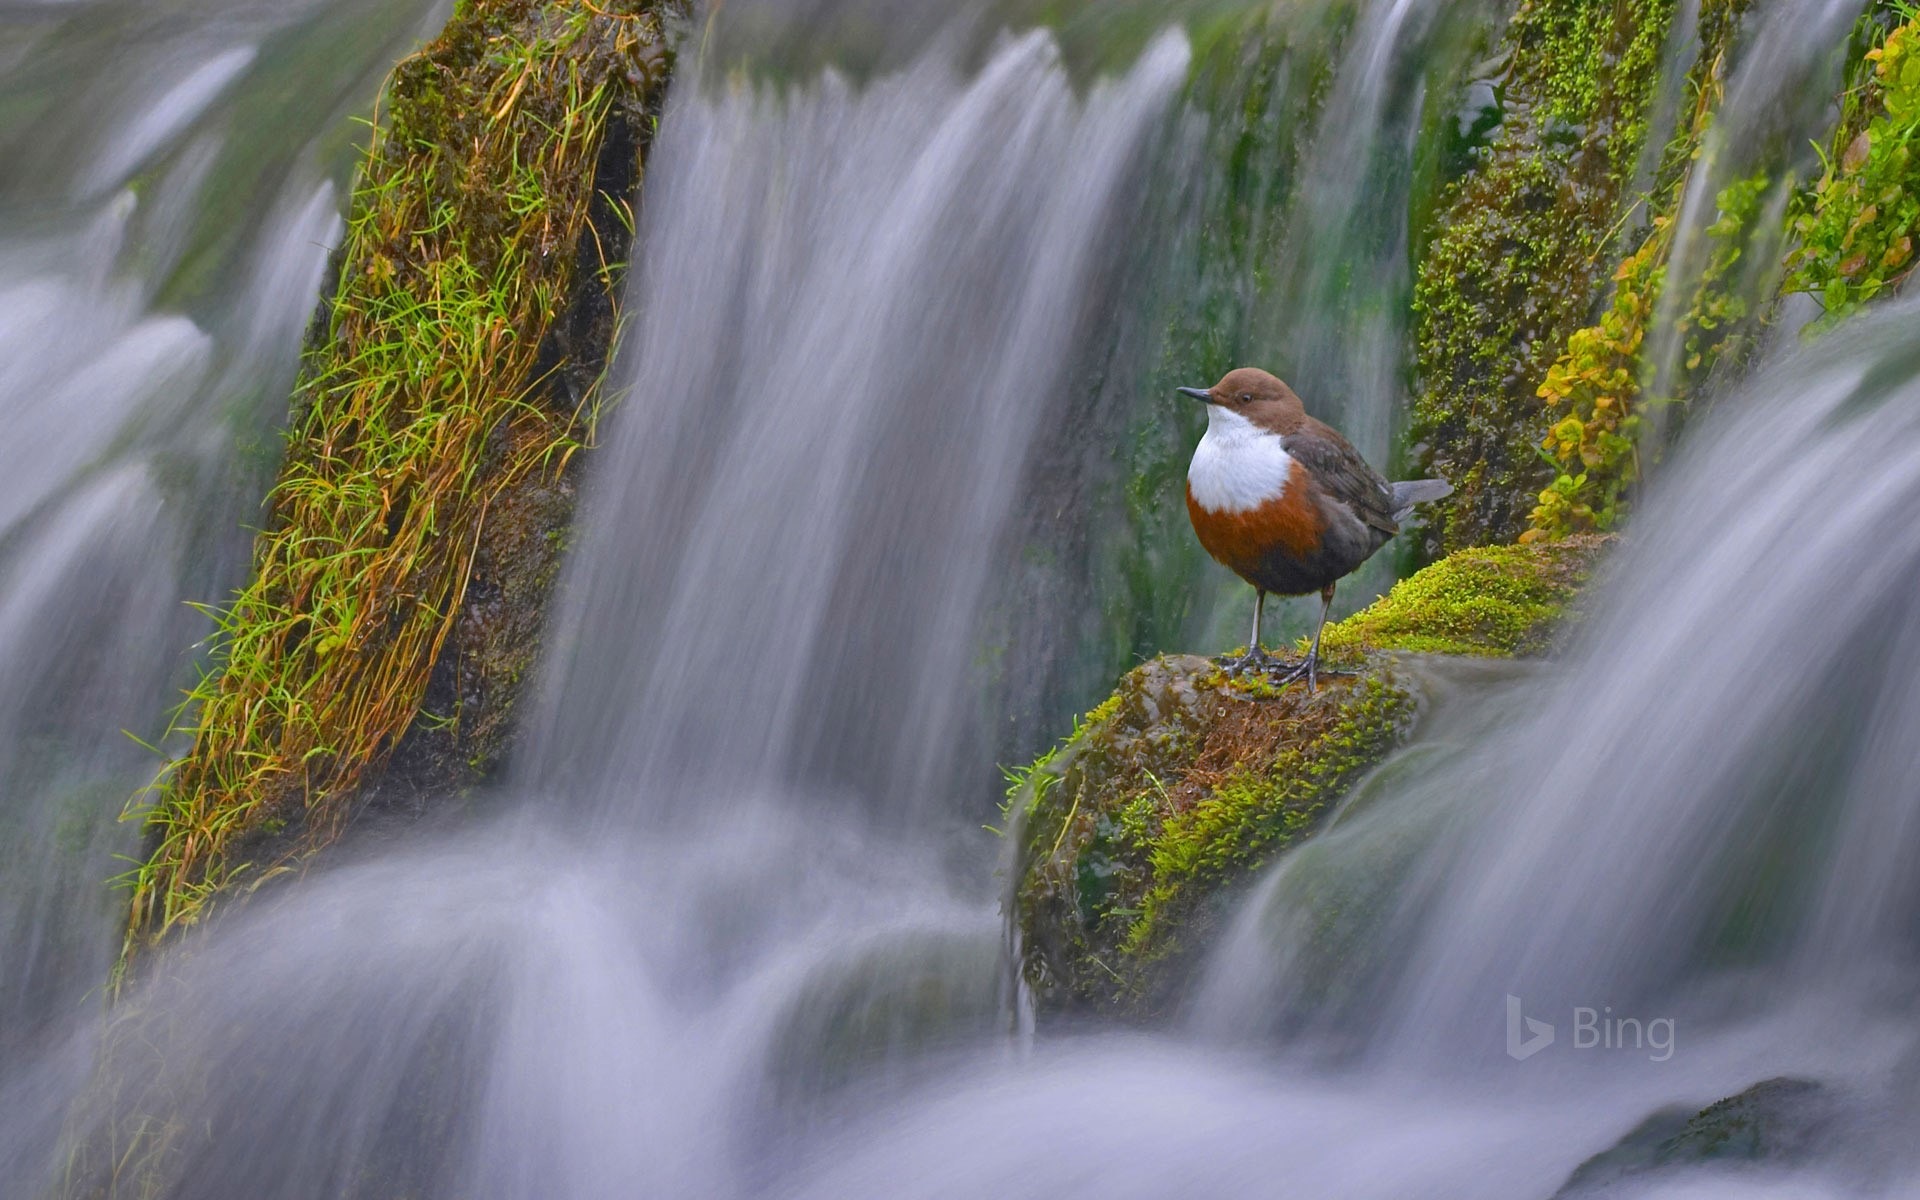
column 1705, row 827
column 857, row 304
column 145, row 352
column 839, row 371
column 720, row 943
column 1747, row 852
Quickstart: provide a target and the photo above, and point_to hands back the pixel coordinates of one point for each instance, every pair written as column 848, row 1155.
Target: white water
column 860, row 307
column 159, row 258
column 735, row 935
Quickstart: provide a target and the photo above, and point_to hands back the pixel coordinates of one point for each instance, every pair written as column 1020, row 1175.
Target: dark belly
column 1284, row 575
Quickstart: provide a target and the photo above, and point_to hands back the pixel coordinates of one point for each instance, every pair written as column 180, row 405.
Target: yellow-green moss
column 459, row 366
column 1520, row 251
column 1492, row 601
column 1178, row 785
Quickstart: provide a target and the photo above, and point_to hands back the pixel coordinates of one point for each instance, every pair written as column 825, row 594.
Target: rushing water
column 167, row 190
column 733, row 932
column 829, row 421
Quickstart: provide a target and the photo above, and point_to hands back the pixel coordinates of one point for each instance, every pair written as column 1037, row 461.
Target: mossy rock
column 1779, row 1120
column 412, row 535
column 1520, row 250
column 1134, row 834
column 1491, row 601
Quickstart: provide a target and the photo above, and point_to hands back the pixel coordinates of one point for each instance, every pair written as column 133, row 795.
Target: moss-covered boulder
column 410, row 540
column 1780, row 1120
column 1181, row 784
column 1132, row 836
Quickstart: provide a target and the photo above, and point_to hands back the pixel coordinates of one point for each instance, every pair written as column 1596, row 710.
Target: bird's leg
column 1311, row 667
column 1256, row 658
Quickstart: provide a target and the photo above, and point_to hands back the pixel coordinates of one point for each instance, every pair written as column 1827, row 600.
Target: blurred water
column 743, row 878
column 1709, row 819
column 1723, row 789
column 859, row 306
column 167, row 192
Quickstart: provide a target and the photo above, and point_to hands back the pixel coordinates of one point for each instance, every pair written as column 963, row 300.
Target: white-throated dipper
column 1285, row 503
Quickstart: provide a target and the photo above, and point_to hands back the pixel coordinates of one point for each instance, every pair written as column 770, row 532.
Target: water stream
column 730, row 928
column 168, row 185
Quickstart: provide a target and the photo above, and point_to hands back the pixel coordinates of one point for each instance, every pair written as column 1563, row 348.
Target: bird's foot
column 1313, row 671
column 1256, row 661
column 1308, row 668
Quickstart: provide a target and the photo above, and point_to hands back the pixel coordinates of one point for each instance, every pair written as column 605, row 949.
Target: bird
column 1286, row 503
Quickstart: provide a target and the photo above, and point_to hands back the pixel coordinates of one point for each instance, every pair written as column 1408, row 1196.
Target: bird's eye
column 1246, row 397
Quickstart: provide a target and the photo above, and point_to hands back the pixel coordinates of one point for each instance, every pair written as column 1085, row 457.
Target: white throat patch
column 1237, row 466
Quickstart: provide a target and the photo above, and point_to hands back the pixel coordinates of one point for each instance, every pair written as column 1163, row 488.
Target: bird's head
column 1259, row 397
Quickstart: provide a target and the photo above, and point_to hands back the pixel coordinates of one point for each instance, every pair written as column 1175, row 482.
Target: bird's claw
column 1312, row 669
column 1309, row 667
column 1254, row 661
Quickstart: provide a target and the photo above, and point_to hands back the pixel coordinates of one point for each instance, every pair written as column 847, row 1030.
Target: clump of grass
column 439, row 384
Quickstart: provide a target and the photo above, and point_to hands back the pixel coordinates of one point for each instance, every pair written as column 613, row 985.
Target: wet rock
column 1780, row 1120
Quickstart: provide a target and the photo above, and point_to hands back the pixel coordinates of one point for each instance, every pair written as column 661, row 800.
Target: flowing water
column 168, row 178
column 733, row 931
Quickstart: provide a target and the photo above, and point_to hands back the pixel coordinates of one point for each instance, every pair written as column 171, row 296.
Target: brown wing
column 1344, row 475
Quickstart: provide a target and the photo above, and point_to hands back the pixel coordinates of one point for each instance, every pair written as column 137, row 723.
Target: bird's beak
column 1201, row 394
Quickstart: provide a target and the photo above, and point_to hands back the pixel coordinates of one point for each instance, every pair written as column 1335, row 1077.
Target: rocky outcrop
column 1132, row 836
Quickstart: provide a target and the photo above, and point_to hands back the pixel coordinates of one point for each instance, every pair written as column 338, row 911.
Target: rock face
column 1181, row 784
column 1516, row 255
column 1132, row 836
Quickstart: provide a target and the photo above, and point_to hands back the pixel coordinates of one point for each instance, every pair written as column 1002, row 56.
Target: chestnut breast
column 1254, row 507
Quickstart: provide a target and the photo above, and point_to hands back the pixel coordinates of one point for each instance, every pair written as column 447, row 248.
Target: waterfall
column 728, row 928
column 1709, row 811
column 1703, row 825
column 159, row 259
column 859, row 306
column 711, row 903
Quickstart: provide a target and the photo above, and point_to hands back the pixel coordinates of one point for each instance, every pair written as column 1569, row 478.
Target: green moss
column 1179, row 785
column 1493, row 601
column 1518, row 259
column 456, row 373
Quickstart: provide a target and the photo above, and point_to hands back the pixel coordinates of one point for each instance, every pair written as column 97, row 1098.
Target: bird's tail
column 1410, row 492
